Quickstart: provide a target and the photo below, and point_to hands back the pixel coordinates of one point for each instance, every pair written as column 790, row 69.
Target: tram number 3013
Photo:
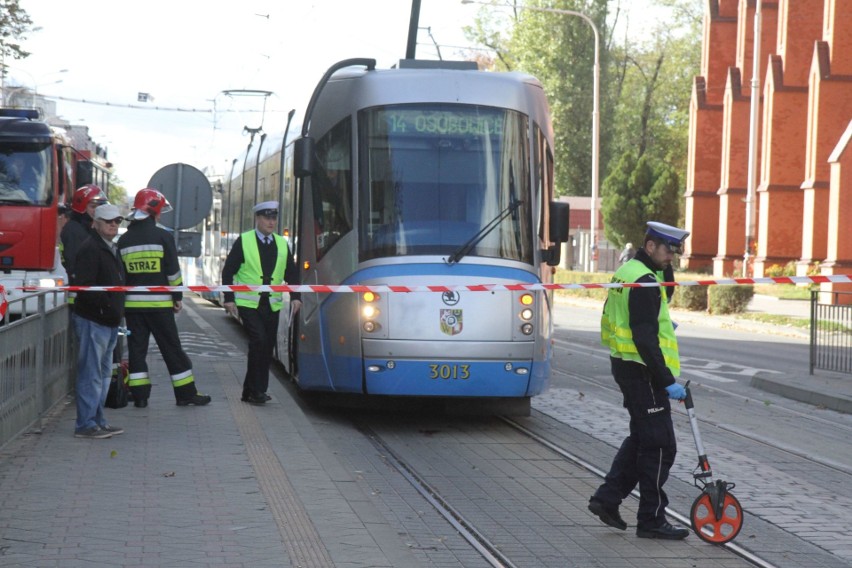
column 461, row 372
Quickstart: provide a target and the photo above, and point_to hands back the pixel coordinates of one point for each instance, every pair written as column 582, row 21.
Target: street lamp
column 595, row 116
column 751, row 190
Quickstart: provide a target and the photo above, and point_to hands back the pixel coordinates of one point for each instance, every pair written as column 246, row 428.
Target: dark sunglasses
column 116, row 221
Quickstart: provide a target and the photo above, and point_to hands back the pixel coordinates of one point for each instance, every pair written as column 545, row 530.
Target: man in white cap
column 260, row 257
column 638, row 330
column 96, row 318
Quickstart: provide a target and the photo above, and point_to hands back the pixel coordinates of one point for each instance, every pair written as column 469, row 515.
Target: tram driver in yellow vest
column 260, row 257
column 638, row 330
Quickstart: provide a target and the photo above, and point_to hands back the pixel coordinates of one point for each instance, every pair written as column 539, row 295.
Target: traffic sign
column 188, row 191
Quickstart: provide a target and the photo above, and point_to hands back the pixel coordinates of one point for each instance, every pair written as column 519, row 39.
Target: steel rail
column 466, row 529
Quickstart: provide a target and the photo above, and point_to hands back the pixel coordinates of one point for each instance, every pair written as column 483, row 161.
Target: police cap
column 266, row 208
column 671, row 236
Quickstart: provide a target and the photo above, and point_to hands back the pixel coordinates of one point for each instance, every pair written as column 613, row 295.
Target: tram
column 429, row 173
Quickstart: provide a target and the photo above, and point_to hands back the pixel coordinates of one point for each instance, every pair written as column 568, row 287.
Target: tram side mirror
column 558, row 232
column 303, row 157
column 559, row 224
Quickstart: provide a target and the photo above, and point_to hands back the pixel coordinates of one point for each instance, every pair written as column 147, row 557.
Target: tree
column 559, row 50
column 646, row 83
column 15, row 24
column 638, row 191
column 652, row 85
column 564, row 65
column 117, row 192
column 492, row 29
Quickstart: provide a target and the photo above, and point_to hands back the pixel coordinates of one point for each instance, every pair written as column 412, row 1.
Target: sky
column 93, row 57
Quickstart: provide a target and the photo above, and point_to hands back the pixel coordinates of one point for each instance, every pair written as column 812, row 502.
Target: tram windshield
column 435, row 176
column 25, row 175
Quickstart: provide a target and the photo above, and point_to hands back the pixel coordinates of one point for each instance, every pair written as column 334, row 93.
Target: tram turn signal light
column 370, row 297
column 527, row 299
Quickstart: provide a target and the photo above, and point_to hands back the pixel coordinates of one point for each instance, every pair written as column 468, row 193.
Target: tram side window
column 331, row 185
column 544, row 181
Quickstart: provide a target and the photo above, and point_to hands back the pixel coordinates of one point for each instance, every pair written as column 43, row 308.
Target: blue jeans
column 94, row 370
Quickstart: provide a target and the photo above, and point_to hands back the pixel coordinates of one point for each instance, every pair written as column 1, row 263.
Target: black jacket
column 98, row 265
column 159, row 268
column 644, row 305
column 73, row 235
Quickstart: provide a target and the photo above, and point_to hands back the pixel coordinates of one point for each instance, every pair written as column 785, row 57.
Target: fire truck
column 39, row 170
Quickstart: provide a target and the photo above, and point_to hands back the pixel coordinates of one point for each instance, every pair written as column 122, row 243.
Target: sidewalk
column 761, row 303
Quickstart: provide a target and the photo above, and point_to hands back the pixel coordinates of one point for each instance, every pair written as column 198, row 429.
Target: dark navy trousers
column 647, row 454
column 261, row 325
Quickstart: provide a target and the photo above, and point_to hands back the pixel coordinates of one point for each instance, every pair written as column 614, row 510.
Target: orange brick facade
column 803, row 182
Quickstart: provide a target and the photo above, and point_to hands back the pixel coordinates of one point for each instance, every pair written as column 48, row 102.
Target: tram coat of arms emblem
column 451, row 321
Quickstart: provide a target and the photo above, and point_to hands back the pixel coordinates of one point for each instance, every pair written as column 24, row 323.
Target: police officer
column 150, row 259
column 644, row 358
column 258, row 257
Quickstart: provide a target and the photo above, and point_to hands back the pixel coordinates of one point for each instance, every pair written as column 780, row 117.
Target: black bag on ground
column 117, row 395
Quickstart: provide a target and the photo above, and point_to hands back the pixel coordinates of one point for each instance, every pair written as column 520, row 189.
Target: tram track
column 487, row 549
column 467, row 528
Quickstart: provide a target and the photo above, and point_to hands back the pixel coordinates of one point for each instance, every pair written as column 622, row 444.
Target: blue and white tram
column 425, row 174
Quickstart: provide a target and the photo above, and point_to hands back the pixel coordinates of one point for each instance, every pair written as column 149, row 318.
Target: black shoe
column 267, row 397
column 194, row 400
column 609, row 515
column 665, row 531
column 140, row 402
column 252, row 398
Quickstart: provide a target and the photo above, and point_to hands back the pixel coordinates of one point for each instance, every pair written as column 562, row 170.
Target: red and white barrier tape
column 384, row 288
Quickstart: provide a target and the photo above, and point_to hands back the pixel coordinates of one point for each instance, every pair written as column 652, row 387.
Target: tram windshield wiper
column 483, row 232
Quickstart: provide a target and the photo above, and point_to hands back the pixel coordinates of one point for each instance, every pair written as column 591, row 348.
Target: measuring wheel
column 716, row 515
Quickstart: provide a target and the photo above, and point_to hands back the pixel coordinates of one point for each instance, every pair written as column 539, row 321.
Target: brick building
column 803, row 174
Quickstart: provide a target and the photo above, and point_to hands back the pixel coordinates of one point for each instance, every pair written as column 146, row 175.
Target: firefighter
column 79, row 227
column 639, row 332
column 150, row 259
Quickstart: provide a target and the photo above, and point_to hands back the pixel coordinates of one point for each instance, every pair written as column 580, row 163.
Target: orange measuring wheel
column 716, row 515
column 716, row 525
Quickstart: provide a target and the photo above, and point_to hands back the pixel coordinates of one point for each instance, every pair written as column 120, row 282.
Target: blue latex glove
column 676, row 391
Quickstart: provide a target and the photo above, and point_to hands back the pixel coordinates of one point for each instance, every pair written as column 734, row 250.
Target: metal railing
column 37, row 363
column 831, row 332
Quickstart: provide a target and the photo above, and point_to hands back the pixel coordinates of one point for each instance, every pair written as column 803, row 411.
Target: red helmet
column 85, row 195
column 149, row 201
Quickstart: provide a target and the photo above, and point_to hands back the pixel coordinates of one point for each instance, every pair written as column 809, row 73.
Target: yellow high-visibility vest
column 251, row 272
column 615, row 322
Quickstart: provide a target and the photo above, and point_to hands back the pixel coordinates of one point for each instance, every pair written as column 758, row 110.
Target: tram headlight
column 527, row 329
column 526, row 314
column 370, row 312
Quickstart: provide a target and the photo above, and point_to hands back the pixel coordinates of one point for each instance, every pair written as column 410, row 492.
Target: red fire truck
column 39, row 170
